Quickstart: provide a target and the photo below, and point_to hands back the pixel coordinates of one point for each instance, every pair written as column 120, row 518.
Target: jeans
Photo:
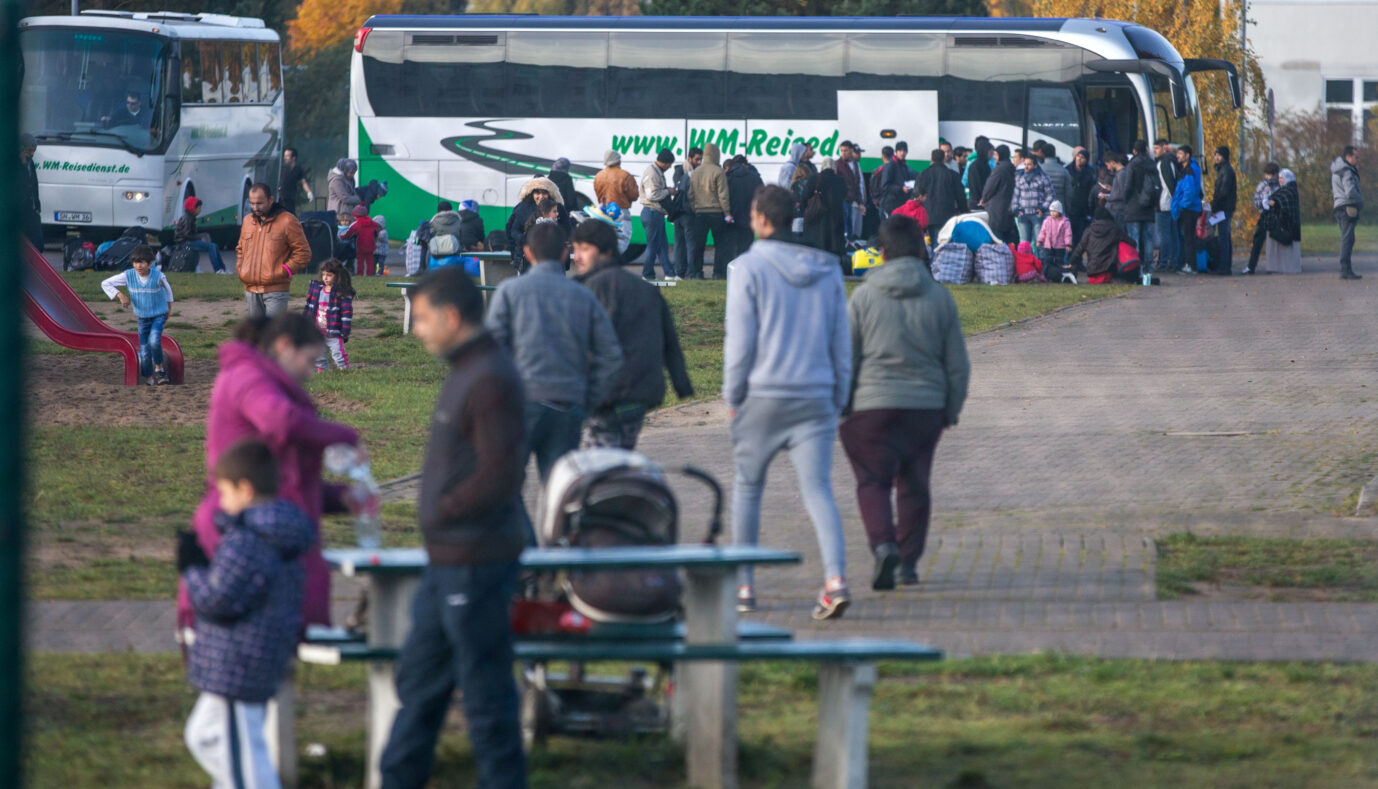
column 151, row 344
column 1029, row 225
column 731, row 244
column 806, row 429
column 1142, row 235
column 1169, row 243
column 684, row 244
column 852, row 219
column 551, row 433
column 210, row 249
column 1347, row 225
column 703, row 225
column 657, row 245
column 460, row 637
column 266, row 304
column 1225, row 243
column 892, row 450
column 226, row 737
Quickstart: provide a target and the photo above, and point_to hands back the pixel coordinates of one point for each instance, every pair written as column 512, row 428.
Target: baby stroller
column 600, row 498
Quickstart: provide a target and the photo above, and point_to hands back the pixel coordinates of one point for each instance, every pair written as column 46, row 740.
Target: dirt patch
column 203, row 315
column 88, row 389
column 73, row 544
column 1226, row 593
column 698, row 413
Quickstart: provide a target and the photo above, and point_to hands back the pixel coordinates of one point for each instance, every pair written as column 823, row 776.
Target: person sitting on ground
column 532, row 193
column 185, row 234
column 645, row 330
column 909, row 384
column 248, row 602
column 1100, row 245
column 151, row 297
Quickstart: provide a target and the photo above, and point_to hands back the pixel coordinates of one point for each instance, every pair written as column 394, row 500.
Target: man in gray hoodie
column 910, row 374
column 1349, row 201
column 786, row 374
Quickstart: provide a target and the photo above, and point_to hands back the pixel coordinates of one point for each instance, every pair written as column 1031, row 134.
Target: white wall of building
column 1318, row 53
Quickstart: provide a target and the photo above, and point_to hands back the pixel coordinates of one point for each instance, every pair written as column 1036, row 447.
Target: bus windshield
column 93, row 87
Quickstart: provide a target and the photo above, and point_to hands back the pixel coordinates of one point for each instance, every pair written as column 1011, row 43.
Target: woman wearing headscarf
column 343, row 196
column 532, row 193
column 1282, row 222
column 559, row 175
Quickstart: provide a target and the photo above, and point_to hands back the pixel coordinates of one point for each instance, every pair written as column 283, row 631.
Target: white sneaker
column 1068, row 278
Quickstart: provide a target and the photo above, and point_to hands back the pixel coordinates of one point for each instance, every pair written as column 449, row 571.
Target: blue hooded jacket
column 1187, row 195
column 248, row 602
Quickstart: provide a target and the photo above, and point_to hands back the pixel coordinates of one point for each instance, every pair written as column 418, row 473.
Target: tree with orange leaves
column 325, row 23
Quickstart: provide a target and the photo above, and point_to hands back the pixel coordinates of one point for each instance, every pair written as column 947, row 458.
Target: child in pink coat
column 1054, row 239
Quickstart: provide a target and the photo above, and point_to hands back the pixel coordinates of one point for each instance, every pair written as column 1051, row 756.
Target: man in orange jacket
column 272, row 247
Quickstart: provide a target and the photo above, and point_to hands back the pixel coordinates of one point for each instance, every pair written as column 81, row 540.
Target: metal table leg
column 389, row 621
column 708, row 691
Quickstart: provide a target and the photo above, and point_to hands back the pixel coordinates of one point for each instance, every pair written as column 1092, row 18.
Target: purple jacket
column 248, row 602
column 253, row 398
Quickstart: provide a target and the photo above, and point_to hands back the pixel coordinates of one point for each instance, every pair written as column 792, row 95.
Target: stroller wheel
column 536, row 717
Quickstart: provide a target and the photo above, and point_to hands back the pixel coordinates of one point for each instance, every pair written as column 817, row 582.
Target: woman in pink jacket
column 258, row 393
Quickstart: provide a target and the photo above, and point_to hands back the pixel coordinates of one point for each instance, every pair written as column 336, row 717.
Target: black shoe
column 887, row 559
column 160, row 377
column 1348, row 273
column 909, row 576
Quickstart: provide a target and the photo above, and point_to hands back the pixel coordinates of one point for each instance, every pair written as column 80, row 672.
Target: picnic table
column 706, row 682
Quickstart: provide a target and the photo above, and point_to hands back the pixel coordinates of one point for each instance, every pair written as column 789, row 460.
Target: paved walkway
column 1239, row 405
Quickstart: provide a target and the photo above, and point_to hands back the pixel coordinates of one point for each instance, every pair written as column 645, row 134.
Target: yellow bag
column 865, row 259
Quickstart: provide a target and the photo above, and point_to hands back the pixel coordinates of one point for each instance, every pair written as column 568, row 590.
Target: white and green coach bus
column 469, row 107
column 135, row 112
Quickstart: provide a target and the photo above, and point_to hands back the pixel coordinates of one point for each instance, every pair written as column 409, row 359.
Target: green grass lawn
column 1041, row 721
column 1323, row 238
column 80, row 497
column 1280, row 569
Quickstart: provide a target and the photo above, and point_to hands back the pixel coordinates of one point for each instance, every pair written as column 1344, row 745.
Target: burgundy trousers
column 892, row 450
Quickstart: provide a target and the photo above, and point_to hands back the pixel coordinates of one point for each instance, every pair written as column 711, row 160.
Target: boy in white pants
column 248, row 613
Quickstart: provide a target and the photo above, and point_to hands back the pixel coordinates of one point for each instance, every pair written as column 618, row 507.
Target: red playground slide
column 56, row 309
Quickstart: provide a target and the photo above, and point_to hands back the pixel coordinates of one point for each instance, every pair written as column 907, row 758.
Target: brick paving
column 1235, row 406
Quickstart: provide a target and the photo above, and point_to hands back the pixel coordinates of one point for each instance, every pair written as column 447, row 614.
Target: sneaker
column 887, row 559
column 160, row 377
column 149, row 381
column 1247, row 271
column 1068, row 278
column 833, row 600
column 746, row 599
column 1187, row 270
column 909, row 576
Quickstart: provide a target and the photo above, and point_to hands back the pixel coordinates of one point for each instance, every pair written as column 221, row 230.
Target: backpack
column 994, row 265
column 444, row 245
column 1128, row 261
column 1150, row 190
column 865, row 259
column 116, row 256
column 954, row 264
column 78, row 255
column 676, row 205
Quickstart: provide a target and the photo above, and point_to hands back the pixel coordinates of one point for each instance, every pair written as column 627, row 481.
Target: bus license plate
column 73, row 216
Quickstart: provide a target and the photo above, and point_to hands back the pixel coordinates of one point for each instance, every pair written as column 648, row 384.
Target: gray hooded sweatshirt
column 786, row 325
column 1344, row 184
column 907, row 346
column 796, row 155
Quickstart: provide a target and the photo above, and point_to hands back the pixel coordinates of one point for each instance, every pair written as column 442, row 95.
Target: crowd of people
column 561, row 358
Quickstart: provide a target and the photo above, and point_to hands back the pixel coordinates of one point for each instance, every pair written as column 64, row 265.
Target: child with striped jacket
column 151, row 297
column 330, row 302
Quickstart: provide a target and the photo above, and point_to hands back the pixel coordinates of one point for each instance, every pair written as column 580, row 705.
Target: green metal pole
column 11, row 412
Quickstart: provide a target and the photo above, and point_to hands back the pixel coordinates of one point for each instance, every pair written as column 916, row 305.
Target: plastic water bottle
column 349, row 462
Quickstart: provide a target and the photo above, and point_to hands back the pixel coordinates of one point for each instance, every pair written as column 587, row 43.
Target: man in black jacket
column 943, row 189
column 978, row 171
column 684, row 226
column 893, row 176
column 470, row 513
column 559, row 175
column 1141, row 204
column 1224, row 200
column 30, row 209
column 646, row 331
column 743, row 180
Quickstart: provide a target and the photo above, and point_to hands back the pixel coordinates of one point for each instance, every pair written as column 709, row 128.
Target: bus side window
column 191, row 73
column 269, row 73
column 248, row 69
column 211, row 78
column 230, row 67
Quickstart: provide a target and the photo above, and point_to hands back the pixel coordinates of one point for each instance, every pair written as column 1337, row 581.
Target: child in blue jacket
column 248, row 616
